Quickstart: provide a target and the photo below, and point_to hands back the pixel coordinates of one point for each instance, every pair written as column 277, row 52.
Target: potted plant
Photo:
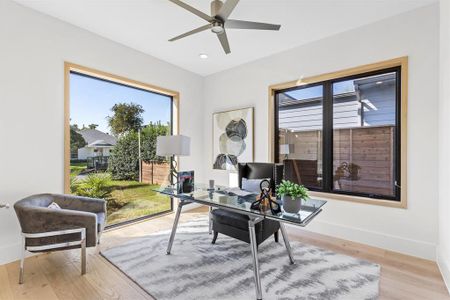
column 292, row 195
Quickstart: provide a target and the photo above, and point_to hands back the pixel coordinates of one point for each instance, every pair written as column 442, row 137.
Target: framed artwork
column 232, row 138
column 185, row 181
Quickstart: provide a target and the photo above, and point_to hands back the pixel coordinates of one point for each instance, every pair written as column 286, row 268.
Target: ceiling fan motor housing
column 216, row 5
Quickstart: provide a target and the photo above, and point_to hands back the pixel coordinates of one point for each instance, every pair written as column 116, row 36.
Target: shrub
column 94, row 186
column 148, row 138
column 73, row 184
column 123, row 163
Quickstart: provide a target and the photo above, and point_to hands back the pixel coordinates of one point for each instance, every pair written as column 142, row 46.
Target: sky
column 91, row 101
column 317, row 91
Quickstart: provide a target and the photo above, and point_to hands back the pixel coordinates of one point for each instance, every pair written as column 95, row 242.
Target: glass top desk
column 220, row 198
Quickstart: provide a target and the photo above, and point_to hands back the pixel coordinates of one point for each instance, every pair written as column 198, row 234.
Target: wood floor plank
column 6, row 292
column 36, row 284
column 65, row 278
column 57, row 275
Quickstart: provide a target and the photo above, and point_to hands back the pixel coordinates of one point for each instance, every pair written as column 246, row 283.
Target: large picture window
column 111, row 129
column 342, row 135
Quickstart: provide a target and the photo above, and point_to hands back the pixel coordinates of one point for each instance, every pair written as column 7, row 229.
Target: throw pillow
column 54, row 205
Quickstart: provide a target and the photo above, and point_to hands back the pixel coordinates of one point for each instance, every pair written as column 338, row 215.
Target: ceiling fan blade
column 227, row 9
column 196, row 30
column 192, row 10
column 239, row 24
column 224, row 42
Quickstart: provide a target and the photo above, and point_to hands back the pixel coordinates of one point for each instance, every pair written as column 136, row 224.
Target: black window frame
column 327, row 130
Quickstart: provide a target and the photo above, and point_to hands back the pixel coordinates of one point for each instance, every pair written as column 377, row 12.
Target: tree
column 148, row 137
column 92, row 126
column 76, row 140
column 123, row 161
column 126, row 117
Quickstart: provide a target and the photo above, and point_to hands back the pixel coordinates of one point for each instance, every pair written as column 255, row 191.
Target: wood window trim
column 71, row 67
column 396, row 62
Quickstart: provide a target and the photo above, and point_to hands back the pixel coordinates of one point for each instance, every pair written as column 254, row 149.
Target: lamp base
column 173, row 174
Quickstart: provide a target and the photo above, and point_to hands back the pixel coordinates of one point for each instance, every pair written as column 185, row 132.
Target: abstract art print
column 232, row 138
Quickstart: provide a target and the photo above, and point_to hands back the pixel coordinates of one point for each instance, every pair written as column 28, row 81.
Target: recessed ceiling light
column 203, row 55
column 379, row 82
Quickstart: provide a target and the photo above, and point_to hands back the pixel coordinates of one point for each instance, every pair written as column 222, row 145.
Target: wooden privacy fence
column 155, row 172
column 369, row 149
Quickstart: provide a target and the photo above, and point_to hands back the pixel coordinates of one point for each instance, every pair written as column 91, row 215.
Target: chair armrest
column 81, row 203
column 39, row 220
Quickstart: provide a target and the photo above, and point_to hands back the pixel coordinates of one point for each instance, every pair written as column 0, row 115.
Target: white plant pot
column 291, row 205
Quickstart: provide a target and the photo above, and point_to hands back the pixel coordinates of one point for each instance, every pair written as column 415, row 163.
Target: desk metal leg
column 174, row 227
column 286, row 243
column 210, row 219
column 254, row 246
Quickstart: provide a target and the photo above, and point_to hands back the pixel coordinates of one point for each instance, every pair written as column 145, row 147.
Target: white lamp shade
column 173, row 145
column 286, row 148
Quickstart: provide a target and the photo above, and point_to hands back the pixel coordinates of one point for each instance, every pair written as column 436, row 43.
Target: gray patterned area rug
column 198, row 270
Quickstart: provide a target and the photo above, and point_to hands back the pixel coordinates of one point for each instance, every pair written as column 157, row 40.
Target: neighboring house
column 98, row 143
column 365, row 102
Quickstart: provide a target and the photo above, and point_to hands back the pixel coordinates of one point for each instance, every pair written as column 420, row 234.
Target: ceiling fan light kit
column 217, row 27
column 218, row 21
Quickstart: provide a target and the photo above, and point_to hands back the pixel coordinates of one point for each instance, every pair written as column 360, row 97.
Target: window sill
column 358, row 199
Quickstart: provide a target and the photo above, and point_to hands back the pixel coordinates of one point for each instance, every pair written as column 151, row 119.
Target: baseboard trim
column 394, row 243
column 444, row 267
column 11, row 253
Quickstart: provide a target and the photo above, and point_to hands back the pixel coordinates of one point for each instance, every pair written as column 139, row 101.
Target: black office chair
column 236, row 225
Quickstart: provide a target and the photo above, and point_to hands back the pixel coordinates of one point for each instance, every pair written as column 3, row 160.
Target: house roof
column 93, row 136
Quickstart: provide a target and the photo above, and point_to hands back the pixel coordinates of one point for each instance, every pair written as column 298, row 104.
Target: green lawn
column 133, row 199
column 138, row 200
column 76, row 168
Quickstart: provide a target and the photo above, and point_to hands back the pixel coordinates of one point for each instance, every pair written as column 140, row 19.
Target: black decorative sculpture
column 265, row 198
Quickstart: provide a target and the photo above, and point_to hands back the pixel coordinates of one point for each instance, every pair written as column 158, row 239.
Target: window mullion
column 327, row 156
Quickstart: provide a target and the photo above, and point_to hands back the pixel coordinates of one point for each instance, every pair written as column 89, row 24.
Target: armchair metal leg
column 83, row 256
column 286, row 243
column 22, row 261
column 99, row 235
column 43, row 248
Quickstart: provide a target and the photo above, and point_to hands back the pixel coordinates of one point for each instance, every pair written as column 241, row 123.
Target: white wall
column 443, row 254
column 413, row 230
column 33, row 48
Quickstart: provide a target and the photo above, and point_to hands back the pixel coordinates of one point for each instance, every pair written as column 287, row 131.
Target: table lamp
column 286, row 149
column 171, row 145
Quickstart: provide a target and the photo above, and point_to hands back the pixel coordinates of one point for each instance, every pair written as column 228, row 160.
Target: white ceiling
column 146, row 25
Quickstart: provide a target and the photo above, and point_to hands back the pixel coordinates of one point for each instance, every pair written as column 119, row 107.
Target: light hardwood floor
column 57, row 275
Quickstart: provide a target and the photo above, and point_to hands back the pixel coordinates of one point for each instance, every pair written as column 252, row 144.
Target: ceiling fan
column 218, row 21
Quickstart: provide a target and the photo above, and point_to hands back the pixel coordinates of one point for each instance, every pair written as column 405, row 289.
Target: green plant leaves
column 294, row 190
